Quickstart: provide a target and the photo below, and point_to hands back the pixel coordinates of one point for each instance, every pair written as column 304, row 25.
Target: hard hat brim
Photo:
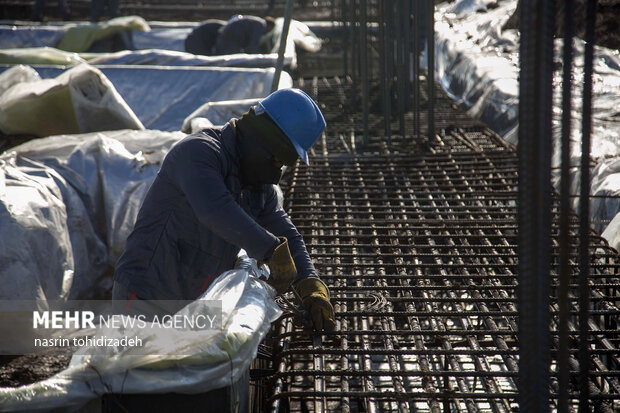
column 303, row 155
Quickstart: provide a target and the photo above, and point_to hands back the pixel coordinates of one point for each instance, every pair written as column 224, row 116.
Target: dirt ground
column 26, row 369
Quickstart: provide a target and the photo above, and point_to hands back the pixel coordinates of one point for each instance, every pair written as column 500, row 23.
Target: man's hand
column 282, row 267
column 315, row 298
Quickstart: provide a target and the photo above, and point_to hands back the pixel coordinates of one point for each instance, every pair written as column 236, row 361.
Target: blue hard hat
column 297, row 115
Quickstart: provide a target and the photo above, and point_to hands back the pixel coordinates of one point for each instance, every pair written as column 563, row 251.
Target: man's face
column 258, row 165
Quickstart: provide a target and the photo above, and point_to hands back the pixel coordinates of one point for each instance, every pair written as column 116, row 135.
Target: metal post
column 407, row 51
column 383, row 45
column 388, row 46
column 430, row 37
column 534, row 206
column 584, row 212
column 400, row 73
column 345, row 33
column 364, row 66
column 287, row 22
column 416, row 69
column 354, row 55
column 565, row 269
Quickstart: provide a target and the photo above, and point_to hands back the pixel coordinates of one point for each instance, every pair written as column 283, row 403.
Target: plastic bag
column 211, row 359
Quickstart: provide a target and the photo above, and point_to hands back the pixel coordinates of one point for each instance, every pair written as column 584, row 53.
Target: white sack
column 80, row 100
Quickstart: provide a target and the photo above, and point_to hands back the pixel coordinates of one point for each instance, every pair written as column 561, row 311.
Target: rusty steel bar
column 584, row 208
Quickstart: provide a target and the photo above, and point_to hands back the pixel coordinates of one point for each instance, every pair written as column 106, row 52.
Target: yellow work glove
column 315, row 299
column 282, row 267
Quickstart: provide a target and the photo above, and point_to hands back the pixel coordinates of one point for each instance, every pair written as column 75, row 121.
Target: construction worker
column 242, row 34
column 202, row 39
column 216, row 192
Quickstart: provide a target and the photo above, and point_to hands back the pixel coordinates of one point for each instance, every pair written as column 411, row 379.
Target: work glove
column 281, row 267
column 315, row 299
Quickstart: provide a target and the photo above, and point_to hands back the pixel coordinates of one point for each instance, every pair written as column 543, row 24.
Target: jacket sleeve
column 197, row 170
column 277, row 221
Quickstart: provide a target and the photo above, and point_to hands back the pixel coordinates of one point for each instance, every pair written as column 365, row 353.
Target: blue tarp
column 163, row 96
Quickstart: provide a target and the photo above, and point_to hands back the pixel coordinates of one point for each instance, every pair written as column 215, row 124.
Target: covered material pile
column 477, row 65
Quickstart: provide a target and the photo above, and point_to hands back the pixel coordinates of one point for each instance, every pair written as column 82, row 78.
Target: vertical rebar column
column 584, row 211
column 355, row 60
column 388, row 15
column 346, row 34
column 407, row 51
column 416, row 69
column 430, row 38
column 385, row 69
column 400, row 66
column 364, row 66
column 534, row 207
column 564, row 241
column 280, row 62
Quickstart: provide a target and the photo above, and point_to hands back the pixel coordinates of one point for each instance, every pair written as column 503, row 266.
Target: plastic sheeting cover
column 79, row 38
column 166, row 38
column 211, row 358
column 298, row 35
column 12, row 36
column 39, row 56
column 477, row 64
column 67, row 205
column 15, row 75
column 175, row 58
column 79, row 100
column 217, row 113
column 163, row 96
column 152, row 57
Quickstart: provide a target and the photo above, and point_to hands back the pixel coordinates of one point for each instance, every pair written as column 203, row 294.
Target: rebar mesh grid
column 420, row 256
column 419, row 247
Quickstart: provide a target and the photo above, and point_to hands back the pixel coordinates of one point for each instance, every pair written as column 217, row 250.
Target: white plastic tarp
column 299, row 35
column 149, row 57
column 175, row 58
column 15, row 75
column 163, row 96
column 39, row 56
column 477, row 64
column 76, row 37
column 68, row 203
column 163, row 35
column 80, row 37
column 211, row 359
column 612, row 232
column 37, row 213
column 216, row 113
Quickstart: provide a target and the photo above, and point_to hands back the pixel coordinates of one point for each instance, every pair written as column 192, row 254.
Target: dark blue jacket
column 240, row 35
column 202, row 39
column 195, row 218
